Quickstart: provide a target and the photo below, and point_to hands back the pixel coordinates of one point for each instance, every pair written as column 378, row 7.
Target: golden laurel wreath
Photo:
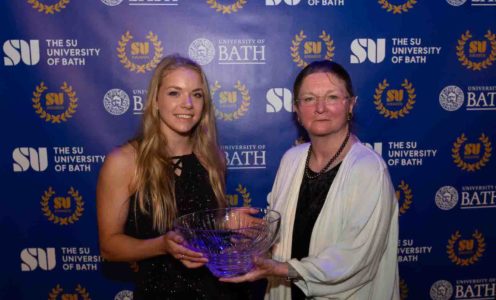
column 71, row 109
column 394, row 114
column 49, row 9
column 471, row 167
column 329, row 45
column 78, row 212
column 408, row 197
column 244, row 193
column 476, row 66
column 226, row 9
column 481, row 247
column 243, row 108
column 403, row 289
column 298, row 38
column 83, row 292
column 397, row 9
column 57, row 290
column 140, row 68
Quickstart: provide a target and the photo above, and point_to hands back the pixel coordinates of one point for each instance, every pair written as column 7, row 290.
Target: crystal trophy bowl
column 230, row 237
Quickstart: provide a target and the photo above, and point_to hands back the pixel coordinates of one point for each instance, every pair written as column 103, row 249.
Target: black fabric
column 313, row 193
column 164, row 277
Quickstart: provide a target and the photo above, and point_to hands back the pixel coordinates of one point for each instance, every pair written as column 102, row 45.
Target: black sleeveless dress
column 165, row 277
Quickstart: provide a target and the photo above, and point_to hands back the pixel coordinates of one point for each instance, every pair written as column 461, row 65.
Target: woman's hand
column 175, row 246
column 264, row 267
column 243, row 217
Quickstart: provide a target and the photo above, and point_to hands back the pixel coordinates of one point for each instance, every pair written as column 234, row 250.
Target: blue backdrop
column 73, row 84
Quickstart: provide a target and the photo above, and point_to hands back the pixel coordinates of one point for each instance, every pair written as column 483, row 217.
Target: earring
column 349, row 116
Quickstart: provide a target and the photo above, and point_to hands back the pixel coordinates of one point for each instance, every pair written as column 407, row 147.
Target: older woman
column 339, row 228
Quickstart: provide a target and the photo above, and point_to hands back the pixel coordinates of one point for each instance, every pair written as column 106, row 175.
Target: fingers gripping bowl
column 230, row 237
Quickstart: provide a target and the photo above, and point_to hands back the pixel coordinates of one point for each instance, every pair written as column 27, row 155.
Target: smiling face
column 323, row 118
column 180, row 102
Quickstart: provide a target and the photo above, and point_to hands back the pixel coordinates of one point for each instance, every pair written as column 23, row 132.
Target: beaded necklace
column 307, row 167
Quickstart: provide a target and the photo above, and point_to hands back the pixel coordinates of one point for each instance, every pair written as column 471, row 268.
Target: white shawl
column 353, row 248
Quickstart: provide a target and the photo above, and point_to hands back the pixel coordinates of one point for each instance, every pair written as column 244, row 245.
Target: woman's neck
column 179, row 146
column 325, row 147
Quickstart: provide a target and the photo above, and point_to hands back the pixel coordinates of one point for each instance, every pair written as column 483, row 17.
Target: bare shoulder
column 119, row 165
column 122, row 158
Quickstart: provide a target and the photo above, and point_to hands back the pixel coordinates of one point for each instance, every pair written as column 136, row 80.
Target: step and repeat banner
column 73, row 86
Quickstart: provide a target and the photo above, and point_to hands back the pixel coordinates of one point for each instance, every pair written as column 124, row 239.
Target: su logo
column 54, row 99
column 19, row 50
column 26, row 157
column 477, row 47
column 394, row 95
column 312, row 48
column 472, row 149
column 140, row 48
column 228, row 97
column 33, row 258
column 62, row 202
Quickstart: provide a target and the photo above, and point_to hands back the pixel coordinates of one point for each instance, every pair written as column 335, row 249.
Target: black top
column 313, row 193
column 164, row 277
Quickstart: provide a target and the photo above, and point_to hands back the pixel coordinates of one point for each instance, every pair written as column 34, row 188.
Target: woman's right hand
column 243, row 217
column 175, row 246
column 264, row 267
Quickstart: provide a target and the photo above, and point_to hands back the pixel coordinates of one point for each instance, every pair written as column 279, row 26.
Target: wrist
column 162, row 246
column 292, row 274
column 282, row 269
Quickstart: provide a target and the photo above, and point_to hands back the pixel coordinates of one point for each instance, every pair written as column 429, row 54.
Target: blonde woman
column 173, row 167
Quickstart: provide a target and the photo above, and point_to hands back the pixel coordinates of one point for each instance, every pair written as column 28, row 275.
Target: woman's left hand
column 191, row 264
column 176, row 247
column 264, row 267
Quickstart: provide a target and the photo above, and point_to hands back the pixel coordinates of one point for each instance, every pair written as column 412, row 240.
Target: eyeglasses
column 330, row 99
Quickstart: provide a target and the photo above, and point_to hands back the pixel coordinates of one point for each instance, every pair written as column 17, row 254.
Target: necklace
column 307, row 167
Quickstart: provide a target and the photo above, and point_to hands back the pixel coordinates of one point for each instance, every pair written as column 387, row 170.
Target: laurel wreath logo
column 49, row 9
column 471, row 167
column 397, row 9
column 57, row 290
column 329, row 45
column 481, row 247
column 476, row 66
column 244, row 194
column 390, row 113
column 407, row 192
column 140, row 68
column 71, row 109
column 298, row 38
column 403, row 289
column 243, row 108
column 226, row 9
column 78, row 212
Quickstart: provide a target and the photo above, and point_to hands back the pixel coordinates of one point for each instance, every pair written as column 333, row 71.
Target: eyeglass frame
column 325, row 98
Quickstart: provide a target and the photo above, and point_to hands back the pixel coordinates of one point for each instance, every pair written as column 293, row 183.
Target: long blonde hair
column 154, row 178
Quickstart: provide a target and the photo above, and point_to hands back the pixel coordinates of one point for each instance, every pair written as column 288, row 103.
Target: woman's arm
column 113, row 191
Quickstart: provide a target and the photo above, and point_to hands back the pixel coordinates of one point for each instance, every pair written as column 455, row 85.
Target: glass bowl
column 230, row 237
